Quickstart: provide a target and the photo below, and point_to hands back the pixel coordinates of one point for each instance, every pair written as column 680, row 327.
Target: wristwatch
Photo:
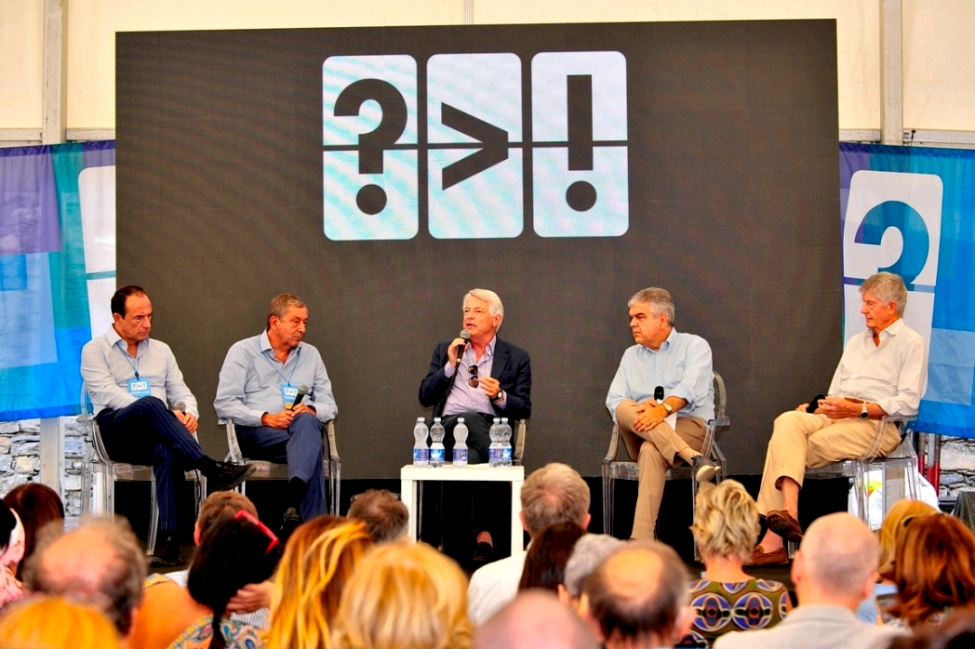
column 863, row 411
column 669, row 408
column 498, row 397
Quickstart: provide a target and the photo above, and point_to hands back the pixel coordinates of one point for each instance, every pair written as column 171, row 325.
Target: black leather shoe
column 292, row 519
column 222, row 476
column 166, row 552
column 483, row 554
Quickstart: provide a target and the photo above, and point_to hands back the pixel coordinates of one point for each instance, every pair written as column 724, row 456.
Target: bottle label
column 506, row 454
column 436, row 455
column 494, row 455
column 421, row 455
column 460, row 455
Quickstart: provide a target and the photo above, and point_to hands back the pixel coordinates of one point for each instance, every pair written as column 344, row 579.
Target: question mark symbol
column 371, row 199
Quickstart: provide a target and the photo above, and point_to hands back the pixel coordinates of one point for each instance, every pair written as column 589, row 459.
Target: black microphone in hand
column 466, row 336
column 302, row 392
column 658, row 393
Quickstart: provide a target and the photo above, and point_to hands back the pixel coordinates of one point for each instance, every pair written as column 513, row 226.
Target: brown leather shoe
column 782, row 523
column 759, row 558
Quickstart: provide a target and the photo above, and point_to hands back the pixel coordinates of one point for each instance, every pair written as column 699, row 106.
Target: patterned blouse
column 737, row 606
column 238, row 635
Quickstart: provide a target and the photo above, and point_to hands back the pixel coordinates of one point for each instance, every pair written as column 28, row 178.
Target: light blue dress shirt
column 106, row 368
column 682, row 366
column 251, row 378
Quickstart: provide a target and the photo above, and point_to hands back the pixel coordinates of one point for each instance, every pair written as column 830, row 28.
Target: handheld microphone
column 466, row 335
column 658, row 394
column 302, row 392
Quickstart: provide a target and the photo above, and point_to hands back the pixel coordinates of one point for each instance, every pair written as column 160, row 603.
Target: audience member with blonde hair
column 317, row 565
column 934, row 571
column 56, row 623
column 890, row 532
column 404, row 596
column 727, row 598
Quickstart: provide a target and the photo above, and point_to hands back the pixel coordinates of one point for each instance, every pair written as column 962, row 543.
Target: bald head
column 100, row 562
column 534, row 620
column 838, row 555
column 638, row 594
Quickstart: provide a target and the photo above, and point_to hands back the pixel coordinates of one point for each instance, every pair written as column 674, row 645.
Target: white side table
column 411, row 477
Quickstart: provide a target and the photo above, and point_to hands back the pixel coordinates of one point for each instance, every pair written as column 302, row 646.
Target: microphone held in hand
column 658, row 393
column 302, row 392
column 466, row 335
column 814, row 404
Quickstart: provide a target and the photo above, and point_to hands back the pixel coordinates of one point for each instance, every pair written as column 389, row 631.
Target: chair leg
column 607, row 505
column 153, row 519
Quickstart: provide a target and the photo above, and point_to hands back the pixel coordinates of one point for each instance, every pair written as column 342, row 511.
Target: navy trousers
column 147, row 432
column 300, row 445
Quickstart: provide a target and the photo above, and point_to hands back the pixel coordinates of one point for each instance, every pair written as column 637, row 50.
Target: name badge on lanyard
column 139, row 388
column 288, row 394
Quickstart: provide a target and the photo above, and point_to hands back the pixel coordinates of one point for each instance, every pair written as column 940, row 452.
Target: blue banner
column 911, row 211
column 44, row 312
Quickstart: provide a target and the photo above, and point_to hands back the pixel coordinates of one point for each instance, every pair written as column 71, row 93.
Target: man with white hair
column 477, row 380
column 882, row 372
column 637, row 598
column 834, row 569
column 556, row 493
column 589, row 552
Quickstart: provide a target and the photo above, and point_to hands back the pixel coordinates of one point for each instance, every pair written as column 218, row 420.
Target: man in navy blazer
column 482, row 379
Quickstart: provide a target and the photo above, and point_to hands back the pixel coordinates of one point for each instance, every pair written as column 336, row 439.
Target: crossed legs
column 656, row 451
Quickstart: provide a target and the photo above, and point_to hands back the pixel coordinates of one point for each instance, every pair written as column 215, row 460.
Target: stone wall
column 957, row 466
column 20, row 458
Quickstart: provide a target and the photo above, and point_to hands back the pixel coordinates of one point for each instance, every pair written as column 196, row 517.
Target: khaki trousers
column 801, row 440
column 656, row 451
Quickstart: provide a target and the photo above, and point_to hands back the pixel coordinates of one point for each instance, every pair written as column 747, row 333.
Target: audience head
column 893, row 528
column 218, row 506
column 556, row 493
column 11, row 538
column 404, row 596
column 534, row 619
column 37, row 505
column 547, row 556
column 235, row 551
column 100, row 562
column 638, row 596
column 957, row 632
column 317, row 565
column 385, row 516
column 725, row 521
column 56, row 623
column 836, row 563
column 934, row 568
column 589, row 552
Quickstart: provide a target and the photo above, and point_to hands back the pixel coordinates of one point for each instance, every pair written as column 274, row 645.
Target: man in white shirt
column 556, row 493
column 882, row 372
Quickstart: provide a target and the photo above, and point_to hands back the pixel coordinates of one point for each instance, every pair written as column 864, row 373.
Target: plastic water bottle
column 494, row 451
column 421, row 453
column 505, row 442
column 437, row 451
column 460, row 443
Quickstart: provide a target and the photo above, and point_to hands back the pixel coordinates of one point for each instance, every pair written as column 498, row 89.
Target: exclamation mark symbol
column 581, row 195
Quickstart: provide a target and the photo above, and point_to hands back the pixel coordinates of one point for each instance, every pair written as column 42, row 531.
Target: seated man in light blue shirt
column 259, row 382
column 145, row 411
column 665, row 372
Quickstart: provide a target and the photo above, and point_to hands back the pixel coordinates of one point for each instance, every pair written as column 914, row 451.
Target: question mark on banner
column 581, row 195
column 903, row 217
column 371, row 199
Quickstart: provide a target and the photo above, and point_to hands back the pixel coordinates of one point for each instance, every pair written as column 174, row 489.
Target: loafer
column 292, row 519
column 704, row 469
column 223, row 476
column 760, row 558
column 166, row 553
column 782, row 523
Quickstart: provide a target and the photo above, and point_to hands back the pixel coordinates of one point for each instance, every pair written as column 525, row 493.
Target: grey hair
column 556, row 493
column 494, row 302
column 659, row 300
column 589, row 552
column 887, row 287
column 280, row 304
column 385, row 516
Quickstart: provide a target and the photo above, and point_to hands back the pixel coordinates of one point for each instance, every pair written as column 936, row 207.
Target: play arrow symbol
column 494, row 139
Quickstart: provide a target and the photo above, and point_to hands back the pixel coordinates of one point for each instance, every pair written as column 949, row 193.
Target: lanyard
column 261, row 352
column 128, row 359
